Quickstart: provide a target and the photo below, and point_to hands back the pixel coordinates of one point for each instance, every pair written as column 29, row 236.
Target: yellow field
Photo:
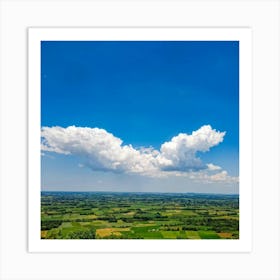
column 131, row 213
column 44, row 233
column 104, row 232
column 225, row 234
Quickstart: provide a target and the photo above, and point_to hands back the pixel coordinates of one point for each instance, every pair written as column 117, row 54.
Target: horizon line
column 98, row 191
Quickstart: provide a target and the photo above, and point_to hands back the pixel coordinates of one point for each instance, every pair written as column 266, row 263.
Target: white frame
column 243, row 35
column 262, row 16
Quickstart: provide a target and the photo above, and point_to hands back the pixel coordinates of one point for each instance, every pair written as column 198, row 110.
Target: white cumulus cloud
column 99, row 149
column 102, row 151
column 180, row 153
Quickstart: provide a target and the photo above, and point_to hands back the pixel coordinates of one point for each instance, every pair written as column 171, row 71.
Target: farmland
column 109, row 215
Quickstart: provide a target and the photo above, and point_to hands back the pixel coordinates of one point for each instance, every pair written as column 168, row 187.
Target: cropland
column 116, row 215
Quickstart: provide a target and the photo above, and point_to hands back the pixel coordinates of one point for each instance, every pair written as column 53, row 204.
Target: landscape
column 139, row 140
column 112, row 215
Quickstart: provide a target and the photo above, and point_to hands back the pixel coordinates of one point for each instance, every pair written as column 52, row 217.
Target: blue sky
column 144, row 93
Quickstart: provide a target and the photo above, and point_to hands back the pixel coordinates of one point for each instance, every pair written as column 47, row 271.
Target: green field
column 101, row 215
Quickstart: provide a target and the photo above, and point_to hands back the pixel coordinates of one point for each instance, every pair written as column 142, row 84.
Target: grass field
column 101, row 215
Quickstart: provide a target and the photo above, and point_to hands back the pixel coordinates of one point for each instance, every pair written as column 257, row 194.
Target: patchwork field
column 101, row 215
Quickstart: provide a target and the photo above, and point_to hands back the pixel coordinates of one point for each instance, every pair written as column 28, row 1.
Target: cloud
column 102, row 151
column 180, row 153
column 223, row 177
column 213, row 167
column 97, row 148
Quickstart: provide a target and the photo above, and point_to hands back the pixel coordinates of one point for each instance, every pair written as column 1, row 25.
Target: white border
column 263, row 17
column 243, row 35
